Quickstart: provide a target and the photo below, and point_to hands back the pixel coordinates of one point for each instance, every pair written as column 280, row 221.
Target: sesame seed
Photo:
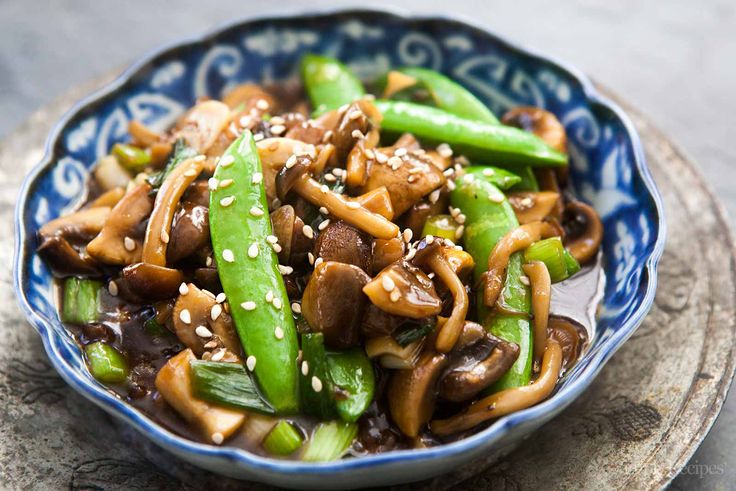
column 250, row 362
column 450, row 185
column 185, row 316
column 318, row 261
column 430, row 276
column 255, row 211
column 408, row 234
column 249, row 305
column 444, row 150
column 221, row 297
column 164, row 237
column 357, row 134
column 323, row 225
column 324, row 210
column 276, row 248
column 524, row 280
column 382, row 158
column 416, row 170
column 258, row 137
column 296, row 307
column 310, row 257
column 488, row 172
column 324, row 188
column 369, row 153
column 353, row 205
column 253, row 251
column 269, row 296
column 199, row 158
column 212, row 183
column 112, row 288
column 272, row 239
column 216, row 311
column 245, row 121
column 411, row 254
column 308, row 232
column 277, row 303
column 203, row 332
column 454, row 211
column 496, row 197
column 290, row 162
column 434, row 196
column 448, row 172
column 285, row 269
column 387, row 283
column 355, row 114
column 330, row 177
column 527, row 201
column 183, row 289
column 400, row 152
column 316, row 384
column 277, row 120
column 278, row 332
column 191, row 172
column 217, row 438
column 460, row 218
column 208, row 261
column 262, row 104
column 257, row 178
column 227, row 201
column 459, row 232
column 227, row 160
column 395, row 295
column 305, row 368
column 228, row 255
column 226, row 182
column 327, row 136
column 210, row 344
column 394, row 162
column 429, row 239
column 278, row 129
column 218, row 355
column 129, row 244
column 412, row 178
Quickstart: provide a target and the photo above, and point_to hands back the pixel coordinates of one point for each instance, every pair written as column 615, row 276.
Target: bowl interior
column 607, row 162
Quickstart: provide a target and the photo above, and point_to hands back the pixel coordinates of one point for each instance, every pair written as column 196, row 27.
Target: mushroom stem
column 516, row 240
column 167, row 199
column 509, row 400
column 541, row 294
column 450, row 331
column 339, row 206
column 584, row 247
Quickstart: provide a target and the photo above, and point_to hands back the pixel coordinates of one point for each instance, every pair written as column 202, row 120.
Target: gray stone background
column 674, row 60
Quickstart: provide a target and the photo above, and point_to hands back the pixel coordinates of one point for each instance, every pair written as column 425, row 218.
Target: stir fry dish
column 310, row 271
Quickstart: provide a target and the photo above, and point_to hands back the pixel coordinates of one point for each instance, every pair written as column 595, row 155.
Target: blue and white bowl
column 608, row 170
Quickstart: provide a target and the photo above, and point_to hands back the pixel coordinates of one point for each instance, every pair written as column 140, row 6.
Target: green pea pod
column 489, row 217
column 329, row 83
column 450, row 95
column 528, row 181
column 352, row 373
column 316, row 389
column 248, row 270
column 501, row 178
column 483, row 142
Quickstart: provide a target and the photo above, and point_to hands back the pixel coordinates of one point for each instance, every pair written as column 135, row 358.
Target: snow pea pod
column 329, row 83
column 483, row 142
column 249, row 273
column 489, row 217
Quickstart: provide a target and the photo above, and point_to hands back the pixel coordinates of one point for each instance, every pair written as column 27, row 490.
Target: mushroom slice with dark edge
column 198, row 319
column 202, row 124
column 391, row 354
column 386, row 251
column 115, row 243
column 333, row 302
column 190, row 231
column 359, row 116
column 584, row 231
column 81, row 225
column 345, row 244
column 148, row 281
column 64, row 260
column 412, row 393
column 477, row 361
column 533, row 207
column 542, row 123
column 292, row 245
column 403, row 289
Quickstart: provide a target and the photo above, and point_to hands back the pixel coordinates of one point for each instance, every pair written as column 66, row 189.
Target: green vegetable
column 449, row 95
column 283, row 439
column 132, row 158
column 528, row 181
column 407, row 336
column 572, row 264
column 315, row 382
column 329, row 83
column 441, row 226
column 266, row 331
column 81, row 300
column 489, row 217
column 330, row 441
column 486, row 143
column 179, row 154
column 352, row 375
column 106, row 363
column 227, row 384
column 501, row 178
column 551, row 253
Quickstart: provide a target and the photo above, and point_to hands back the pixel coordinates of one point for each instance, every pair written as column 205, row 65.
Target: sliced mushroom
column 417, row 215
column 109, row 198
column 478, row 360
column 396, row 82
column 174, row 384
column 542, row 123
column 391, row 354
column 274, row 152
column 541, row 286
column 584, row 231
column 152, row 282
column 198, row 193
column 412, row 393
column 117, row 242
column 509, row 400
column 377, row 323
column 202, row 124
column 247, row 96
column 571, row 337
column 307, row 132
column 64, row 260
column 378, row 201
column 403, row 289
column 190, row 231
column 194, row 309
column 345, row 244
column 357, row 117
column 533, row 207
column 80, row 225
column 333, row 302
column 386, row 251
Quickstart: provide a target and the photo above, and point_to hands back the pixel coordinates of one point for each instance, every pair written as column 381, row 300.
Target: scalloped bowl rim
column 114, row 405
